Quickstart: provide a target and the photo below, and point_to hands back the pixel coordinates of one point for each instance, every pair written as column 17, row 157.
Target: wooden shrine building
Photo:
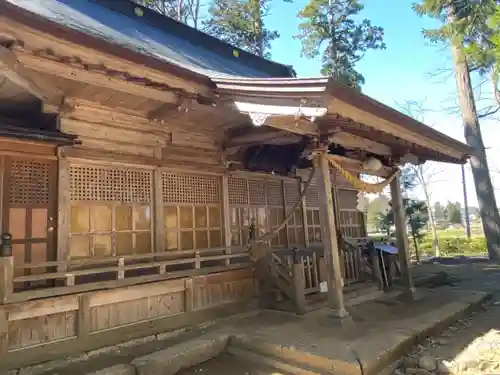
column 139, row 159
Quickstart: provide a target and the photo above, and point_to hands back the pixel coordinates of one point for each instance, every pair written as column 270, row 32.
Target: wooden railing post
column 6, row 268
column 299, row 283
column 188, row 295
column 83, row 316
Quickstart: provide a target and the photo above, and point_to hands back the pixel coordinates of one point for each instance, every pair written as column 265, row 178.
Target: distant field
column 452, row 242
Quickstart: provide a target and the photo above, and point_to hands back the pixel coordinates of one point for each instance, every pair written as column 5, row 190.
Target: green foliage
column 474, row 25
column 332, row 29
column 454, row 212
column 456, row 245
column 240, row 23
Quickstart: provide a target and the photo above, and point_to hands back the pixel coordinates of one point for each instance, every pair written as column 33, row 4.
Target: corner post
column 401, row 235
column 6, row 268
column 329, row 235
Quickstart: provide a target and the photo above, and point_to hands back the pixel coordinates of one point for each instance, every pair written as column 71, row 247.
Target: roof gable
column 154, row 35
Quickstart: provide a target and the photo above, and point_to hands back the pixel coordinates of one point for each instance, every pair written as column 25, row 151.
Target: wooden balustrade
column 93, row 274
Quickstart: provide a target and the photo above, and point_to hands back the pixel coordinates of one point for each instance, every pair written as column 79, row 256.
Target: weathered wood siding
column 64, row 324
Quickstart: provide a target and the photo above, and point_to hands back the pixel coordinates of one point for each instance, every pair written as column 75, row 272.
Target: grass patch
column 453, row 242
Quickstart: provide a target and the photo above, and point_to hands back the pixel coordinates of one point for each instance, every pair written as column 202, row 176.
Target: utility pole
column 466, row 206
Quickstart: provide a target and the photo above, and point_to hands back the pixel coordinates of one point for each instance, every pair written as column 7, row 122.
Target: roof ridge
column 192, row 35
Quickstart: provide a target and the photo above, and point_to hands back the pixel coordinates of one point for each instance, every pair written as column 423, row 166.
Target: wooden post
column 63, row 210
column 4, row 331
column 330, row 240
column 304, row 215
column 188, row 295
column 159, row 225
column 401, row 235
column 226, row 217
column 83, row 316
column 299, row 283
column 121, row 270
column 6, row 268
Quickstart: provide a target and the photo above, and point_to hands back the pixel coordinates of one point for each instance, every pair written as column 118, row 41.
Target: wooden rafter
column 14, row 71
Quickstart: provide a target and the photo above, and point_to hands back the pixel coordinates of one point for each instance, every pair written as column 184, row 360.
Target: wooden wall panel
column 117, row 314
column 41, row 329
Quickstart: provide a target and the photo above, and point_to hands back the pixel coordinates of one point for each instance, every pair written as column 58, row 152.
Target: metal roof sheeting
column 170, row 43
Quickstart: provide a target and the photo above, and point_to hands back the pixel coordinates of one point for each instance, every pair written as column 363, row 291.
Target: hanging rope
column 358, row 183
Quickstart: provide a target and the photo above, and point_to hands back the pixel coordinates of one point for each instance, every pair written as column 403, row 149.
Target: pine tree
column 241, row 24
column 330, row 29
column 466, row 27
column 186, row 11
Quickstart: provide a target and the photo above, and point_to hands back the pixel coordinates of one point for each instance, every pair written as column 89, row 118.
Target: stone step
column 287, row 368
column 290, row 356
column 182, row 356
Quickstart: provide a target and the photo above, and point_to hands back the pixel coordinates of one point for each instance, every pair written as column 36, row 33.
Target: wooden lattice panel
column 348, row 199
column 274, row 193
column 29, row 182
column 257, row 192
column 191, row 189
column 292, row 192
column 238, row 190
column 108, row 184
column 312, row 195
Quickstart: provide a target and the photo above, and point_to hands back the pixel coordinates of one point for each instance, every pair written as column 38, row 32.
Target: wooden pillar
column 303, row 208
column 63, row 207
column 158, row 207
column 330, row 242
column 401, row 234
column 226, row 217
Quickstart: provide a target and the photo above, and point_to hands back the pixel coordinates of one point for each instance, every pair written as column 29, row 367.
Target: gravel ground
column 472, row 345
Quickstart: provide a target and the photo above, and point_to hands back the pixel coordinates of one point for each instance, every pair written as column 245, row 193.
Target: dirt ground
column 472, row 345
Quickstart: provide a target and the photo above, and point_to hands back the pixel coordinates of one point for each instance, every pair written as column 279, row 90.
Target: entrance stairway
column 291, row 279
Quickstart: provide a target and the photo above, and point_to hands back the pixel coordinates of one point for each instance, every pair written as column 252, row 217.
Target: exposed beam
column 14, row 71
column 296, row 126
column 77, row 74
column 356, row 114
column 349, row 140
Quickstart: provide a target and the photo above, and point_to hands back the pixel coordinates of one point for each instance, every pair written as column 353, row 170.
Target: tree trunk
column 482, row 181
column 257, row 26
column 429, row 211
column 466, row 204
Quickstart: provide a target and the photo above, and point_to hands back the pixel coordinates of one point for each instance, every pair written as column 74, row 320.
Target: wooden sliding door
column 29, row 209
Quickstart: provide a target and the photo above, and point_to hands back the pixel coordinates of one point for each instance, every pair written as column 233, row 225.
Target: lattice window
column 312, row 195
column 111, row 211
column 108, row 184
column 29, row 182
column 257, row 192
column 274, row 193
column 313, row 225
column 192, row 211
column 351, row 220
column 292, row 192
column 295, row 227
column 193, row 189
column 238, row 190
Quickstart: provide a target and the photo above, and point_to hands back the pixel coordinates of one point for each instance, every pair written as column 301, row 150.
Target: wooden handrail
column 118, row 268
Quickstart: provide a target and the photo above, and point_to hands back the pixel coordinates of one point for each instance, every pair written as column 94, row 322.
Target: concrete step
column 182, row 356
column 292, row 360
column 285, row 368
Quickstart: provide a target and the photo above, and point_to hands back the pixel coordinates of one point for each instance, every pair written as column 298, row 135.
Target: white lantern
column 372, row 164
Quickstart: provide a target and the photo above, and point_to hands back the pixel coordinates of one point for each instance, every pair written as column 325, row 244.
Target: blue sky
column 406, row 70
